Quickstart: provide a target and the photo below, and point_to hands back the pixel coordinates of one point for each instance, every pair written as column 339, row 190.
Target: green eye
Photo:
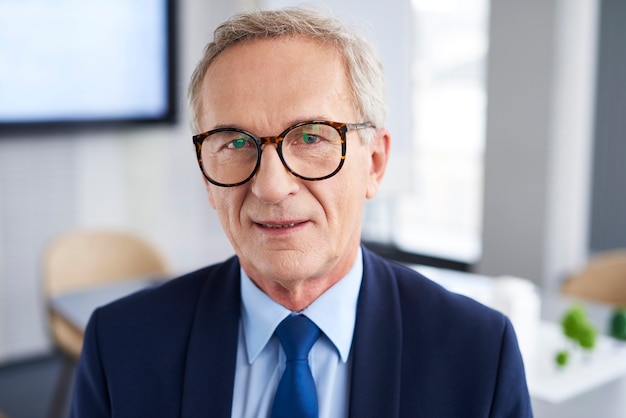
column 239, row 143
column 309, row 138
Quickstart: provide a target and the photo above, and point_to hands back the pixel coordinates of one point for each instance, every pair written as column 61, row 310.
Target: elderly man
column 303, row 322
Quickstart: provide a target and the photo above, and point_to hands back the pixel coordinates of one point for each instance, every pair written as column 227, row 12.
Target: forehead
column 279, row 47
column 279, row 58
column 275, row 77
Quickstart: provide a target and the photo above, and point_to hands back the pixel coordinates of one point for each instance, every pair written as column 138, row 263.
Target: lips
column 279, row 225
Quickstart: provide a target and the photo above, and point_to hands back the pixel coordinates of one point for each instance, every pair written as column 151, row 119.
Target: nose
column 272, row 182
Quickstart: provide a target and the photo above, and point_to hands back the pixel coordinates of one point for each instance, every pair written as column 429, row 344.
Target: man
column 289, row 106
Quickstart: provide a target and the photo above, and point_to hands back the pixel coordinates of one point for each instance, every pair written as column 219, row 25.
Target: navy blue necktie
column 296, row 396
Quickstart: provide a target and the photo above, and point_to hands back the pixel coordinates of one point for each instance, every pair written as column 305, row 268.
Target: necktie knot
column 297, row 334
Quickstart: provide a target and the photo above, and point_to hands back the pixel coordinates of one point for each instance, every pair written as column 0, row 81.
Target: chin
column 287, row 266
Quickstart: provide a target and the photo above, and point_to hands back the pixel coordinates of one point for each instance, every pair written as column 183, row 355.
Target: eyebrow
column 224, row 126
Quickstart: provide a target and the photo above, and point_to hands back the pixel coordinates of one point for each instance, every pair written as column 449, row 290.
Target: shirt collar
column 334, row 312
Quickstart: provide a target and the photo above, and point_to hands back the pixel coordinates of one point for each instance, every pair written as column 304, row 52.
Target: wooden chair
column 602, row 279
column 82, row 259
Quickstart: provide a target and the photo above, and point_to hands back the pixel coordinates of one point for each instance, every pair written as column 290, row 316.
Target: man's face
column 286, row 230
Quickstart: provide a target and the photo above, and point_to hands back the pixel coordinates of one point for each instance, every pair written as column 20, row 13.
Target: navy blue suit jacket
column 418, row 351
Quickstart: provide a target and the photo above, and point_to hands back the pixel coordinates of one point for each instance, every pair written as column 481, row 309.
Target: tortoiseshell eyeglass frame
column 340, row 127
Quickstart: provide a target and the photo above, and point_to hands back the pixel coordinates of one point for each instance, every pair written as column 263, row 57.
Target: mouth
column 279, row 226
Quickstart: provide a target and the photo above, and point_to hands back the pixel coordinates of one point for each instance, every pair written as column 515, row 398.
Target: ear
column 379, row 153
column 209, row 189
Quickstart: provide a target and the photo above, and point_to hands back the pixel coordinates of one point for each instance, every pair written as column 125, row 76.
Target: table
column 77, row 307
column 546, row 381
column 586, row 371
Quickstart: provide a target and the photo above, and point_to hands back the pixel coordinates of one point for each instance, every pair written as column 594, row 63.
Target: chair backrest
column 602, row 279
column 82, row 259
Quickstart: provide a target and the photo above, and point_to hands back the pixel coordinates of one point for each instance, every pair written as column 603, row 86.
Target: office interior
column 552, row 193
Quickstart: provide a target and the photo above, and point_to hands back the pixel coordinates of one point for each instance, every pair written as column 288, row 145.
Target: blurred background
column 506, row 120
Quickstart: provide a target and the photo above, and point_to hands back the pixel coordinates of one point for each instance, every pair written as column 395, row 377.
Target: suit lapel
column 377, row 344
column 212, row 351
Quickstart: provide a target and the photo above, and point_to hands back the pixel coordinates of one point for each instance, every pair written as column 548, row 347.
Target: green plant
column 578, row 329
column 562, row 357
column 617, row 326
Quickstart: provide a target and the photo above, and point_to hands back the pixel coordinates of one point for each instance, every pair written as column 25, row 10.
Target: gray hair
column 363, row 66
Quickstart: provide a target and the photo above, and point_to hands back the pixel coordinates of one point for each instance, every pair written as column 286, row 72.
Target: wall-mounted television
column 78, row 63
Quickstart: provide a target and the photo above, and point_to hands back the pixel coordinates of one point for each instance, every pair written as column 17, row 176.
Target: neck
column 299, row 295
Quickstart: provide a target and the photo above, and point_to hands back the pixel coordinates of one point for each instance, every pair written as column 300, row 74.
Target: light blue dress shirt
column 261, row 360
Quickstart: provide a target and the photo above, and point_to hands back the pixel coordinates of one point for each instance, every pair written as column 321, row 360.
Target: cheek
column 343, row 199
column 357, row 169
column 211, row 192
column 227, row 203
column 211, row 200
column 230, row 220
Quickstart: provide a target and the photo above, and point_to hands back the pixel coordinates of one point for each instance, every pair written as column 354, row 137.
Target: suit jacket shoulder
column 420, row 350
column 151, row 353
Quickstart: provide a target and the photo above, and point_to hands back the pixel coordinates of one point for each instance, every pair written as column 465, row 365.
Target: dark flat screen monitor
column 76, row 63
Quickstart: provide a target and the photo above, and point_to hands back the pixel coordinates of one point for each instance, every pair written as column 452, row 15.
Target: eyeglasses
column 313, row 150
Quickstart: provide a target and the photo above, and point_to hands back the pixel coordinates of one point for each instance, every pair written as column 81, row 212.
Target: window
column 440, row 213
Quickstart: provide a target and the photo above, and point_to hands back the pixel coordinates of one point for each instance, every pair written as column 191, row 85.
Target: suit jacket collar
column 212, row 351
column 377, row 344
